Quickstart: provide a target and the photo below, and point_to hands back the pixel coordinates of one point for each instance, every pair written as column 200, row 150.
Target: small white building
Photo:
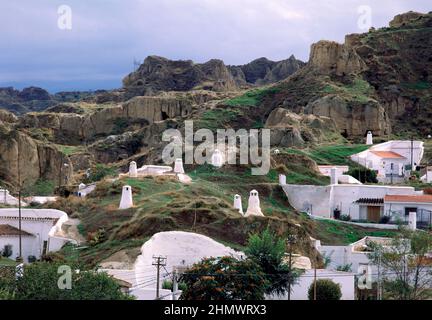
column 325, row 170
column 345, row 280
column 254, row 206
column 41, row 228
column 391, row 160
column 361, row 202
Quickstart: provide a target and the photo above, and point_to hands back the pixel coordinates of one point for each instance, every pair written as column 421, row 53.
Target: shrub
column 101, row 171
column 345, row 217
column 7, row 251
column 384, row 219
column 325, row 290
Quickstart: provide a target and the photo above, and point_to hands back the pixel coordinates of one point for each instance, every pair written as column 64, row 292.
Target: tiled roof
column 370, row 201
column 388, row 154
column 427, row 198
column 8, row 230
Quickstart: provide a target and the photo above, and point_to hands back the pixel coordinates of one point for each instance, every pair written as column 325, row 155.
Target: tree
column 268, row 251
column 224, row 278
column 364, row 175
column 406, row 273
column 325, row 290
column 40, row 282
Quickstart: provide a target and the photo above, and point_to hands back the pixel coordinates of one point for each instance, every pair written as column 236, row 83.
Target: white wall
column 399, row 207
column 324, row 199
column 182, row 249
column 44, row 224
column 30, row 246
column 312, row 199
column 300, row 290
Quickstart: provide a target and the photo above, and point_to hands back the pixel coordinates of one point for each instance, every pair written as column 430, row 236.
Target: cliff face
column 37, row 160
column 379, row 81
column 72, row 128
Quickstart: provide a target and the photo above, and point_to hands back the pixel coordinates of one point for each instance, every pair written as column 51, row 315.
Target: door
column 374, row 213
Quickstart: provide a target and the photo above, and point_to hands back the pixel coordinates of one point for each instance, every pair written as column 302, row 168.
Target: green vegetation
column 331, row 154
column 40, row 188
column 218, row 118
column 325, row 290
column 70, row 150
column 224, row 278
column 358, row 90
column 7, row 262
column 339, row 233
column 101, row 171
column 268, row 251
column 420, row 85
column 253, row 97
column 43, row 281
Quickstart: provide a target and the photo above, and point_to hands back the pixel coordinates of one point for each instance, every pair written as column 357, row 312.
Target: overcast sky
column 107, row 35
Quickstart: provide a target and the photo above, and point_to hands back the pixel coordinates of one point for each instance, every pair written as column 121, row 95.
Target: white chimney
column 238, row 203
column 282, row 179
column 178, row 166
column 133, row 171
column 369, row 138
column 333, row 176
column 217, row 159
column 126, row 201
column 81, row 186
column 412, row 221
column 254, row 207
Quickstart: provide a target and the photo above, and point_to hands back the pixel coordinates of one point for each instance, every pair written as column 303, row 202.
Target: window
column 408, row 210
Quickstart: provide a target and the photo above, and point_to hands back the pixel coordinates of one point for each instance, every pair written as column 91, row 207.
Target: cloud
column 108, row 34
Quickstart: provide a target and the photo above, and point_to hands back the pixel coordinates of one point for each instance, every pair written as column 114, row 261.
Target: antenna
column 136, row 64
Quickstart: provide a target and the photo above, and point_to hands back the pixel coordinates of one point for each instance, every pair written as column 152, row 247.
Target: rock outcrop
column 264, row 71
column 29, row 99
column 72, row 128
column 290, row 129
column 158, row 74
column 351, row 118
column 37, row 160
column 330, row 57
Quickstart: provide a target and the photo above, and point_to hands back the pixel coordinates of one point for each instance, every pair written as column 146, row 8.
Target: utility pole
column 379, row 292
column 19, row 198
column 175, row 285
column 315, row 282
column 412, row 154
column 159, row 262
column 391, row 173
column 291, row 240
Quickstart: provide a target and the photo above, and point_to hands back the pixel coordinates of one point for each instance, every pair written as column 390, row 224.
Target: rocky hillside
column 160, row 74
column 379, row 81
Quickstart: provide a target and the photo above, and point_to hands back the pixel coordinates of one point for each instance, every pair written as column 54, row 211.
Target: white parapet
column 126, row 201
column 133, row 170
column 282, row 179
column 217, row 159
column 178, row 166
column 333, row 176
column 412, row 221
column 254, row 207
column 369, row 138
column 238, row 203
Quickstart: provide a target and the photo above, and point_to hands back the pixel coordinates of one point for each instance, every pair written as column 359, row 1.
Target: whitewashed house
column 354, row 254
column 41, row 231
column 357, row 200
column 7, row 199
column 391, row 160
